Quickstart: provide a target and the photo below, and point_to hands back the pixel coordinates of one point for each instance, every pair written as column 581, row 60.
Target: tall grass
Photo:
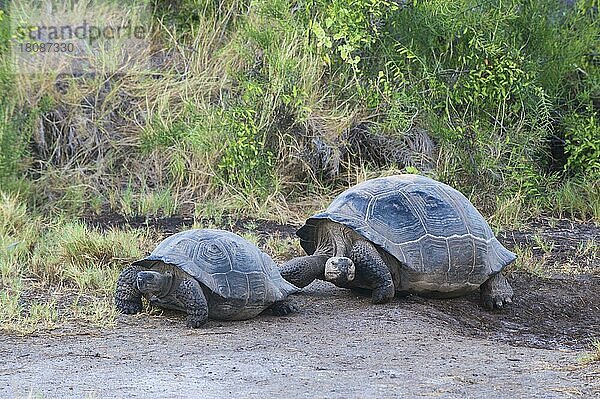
column 11, row 142
column 45, row 263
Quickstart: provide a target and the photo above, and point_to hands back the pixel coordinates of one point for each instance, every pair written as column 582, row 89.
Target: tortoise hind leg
column 128, row 298
column 372, row 271
column 496, row 292
column 304, row 270
column 190, row 294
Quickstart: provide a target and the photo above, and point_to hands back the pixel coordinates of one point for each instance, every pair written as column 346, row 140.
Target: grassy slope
column 279, row 104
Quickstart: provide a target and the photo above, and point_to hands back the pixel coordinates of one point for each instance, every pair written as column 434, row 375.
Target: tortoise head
column 151, row 282
column 339, row 269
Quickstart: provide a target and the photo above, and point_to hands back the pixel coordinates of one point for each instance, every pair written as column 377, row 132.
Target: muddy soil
column 339, row 345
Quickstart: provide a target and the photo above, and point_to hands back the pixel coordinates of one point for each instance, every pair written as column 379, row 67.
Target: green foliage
column 9, row 137
column 481, row 89
column 349, row 28
column 155, row 203
column 156, row 136
column 246, row 86
column 583, row 144
column 185, row 15
column 16, row 120
column 45, row 256
column 493, row 77
column 576, row 198
column 196, row 127
column 246, row 162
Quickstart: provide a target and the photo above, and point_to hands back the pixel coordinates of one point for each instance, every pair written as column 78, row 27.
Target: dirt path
column 337, row 346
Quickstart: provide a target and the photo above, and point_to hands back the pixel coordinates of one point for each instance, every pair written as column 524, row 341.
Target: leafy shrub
column 493, row 77
column 7, row 134
column 16, row 121
column 247, row 91
column 583, row 144
column 350, row 27
column 246, row 163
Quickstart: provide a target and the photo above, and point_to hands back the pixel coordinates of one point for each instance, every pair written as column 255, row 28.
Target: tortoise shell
column 429, row 227
column 227, row 264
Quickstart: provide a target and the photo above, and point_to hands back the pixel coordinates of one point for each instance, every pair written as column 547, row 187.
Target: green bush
column 349, row 28
column 583, row 144
column 246, row 89
column 16, row 120
column 495, row 78
column 246, row 162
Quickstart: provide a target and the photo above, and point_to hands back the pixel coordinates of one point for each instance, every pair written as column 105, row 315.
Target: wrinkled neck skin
column 167, row 286
column 335, row 239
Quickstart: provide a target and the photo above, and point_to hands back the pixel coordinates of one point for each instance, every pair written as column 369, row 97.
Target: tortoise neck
column 167, row 286
column 335, row 239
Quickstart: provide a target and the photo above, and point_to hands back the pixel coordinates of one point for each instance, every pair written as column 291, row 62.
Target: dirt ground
column 339, row 345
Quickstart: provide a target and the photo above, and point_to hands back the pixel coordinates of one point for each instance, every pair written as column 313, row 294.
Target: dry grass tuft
column 530, row 263
column 592, row 356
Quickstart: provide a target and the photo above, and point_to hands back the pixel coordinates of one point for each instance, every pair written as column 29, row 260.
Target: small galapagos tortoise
column 205, row 273
column 403, row 234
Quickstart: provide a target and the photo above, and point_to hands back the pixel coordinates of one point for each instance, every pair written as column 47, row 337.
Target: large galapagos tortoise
column 205, row 273
column 403, row 234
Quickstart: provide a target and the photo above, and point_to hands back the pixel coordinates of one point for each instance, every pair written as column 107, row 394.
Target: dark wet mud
column 555, row 313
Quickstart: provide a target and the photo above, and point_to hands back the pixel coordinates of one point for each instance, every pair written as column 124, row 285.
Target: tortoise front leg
column 304, row 270
column 128, row 298
column 372, row 271
column 190, row 294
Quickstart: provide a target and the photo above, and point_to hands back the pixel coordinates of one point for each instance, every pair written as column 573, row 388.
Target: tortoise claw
column 496, row 302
